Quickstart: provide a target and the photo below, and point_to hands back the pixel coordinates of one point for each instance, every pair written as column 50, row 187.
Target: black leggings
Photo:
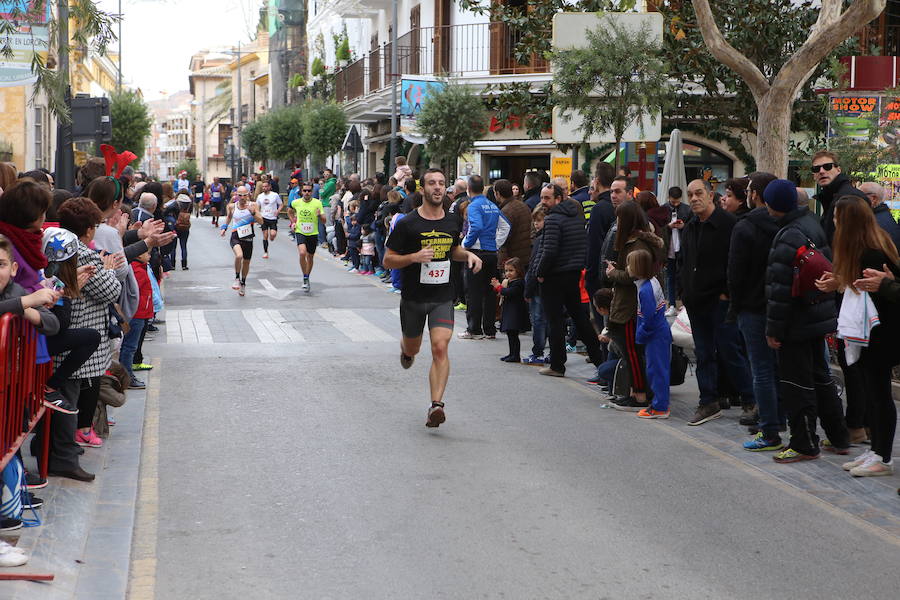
column 881, row 411
column 80, row 343
column 515, row 346
column 87, row 401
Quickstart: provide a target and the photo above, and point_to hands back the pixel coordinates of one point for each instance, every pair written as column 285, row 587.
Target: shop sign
column 413, row 95
column 31, row 36
column 561, row 166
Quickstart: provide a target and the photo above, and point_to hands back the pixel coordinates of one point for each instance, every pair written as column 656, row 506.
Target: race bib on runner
column 307, row 228
column 198, row 196
column 435, row 272
column 245, row 230
column 216, row 195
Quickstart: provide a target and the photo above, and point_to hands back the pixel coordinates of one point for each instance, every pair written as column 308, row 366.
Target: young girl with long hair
column 514, row 310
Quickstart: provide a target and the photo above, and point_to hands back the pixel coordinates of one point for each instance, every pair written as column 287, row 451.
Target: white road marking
column 173, row 327
column 267, row 284
column 192, row 325
column 270, row 326
column 352, row 325
column 273, row 292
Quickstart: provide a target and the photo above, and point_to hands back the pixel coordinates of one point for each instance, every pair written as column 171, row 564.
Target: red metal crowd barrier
column 21, row 388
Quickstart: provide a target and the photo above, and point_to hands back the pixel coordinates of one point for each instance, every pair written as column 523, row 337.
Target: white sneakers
column 10, row 556
column 869, row 464
column 671, row 311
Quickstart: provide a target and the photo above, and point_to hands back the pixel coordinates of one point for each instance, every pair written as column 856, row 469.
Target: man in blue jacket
column 481, row 239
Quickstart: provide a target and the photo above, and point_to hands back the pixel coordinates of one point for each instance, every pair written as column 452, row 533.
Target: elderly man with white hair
column 876, row 194
column 145, row 208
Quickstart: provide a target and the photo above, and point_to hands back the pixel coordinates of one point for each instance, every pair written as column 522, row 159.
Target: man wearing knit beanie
column 797, row 328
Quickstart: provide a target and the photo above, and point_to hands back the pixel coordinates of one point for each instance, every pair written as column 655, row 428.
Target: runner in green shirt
column 305, row 214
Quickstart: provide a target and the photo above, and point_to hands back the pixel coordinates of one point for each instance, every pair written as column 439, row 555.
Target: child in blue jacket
column 652, row 331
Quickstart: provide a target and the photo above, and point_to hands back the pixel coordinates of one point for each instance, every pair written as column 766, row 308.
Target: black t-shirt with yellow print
column 428, row 282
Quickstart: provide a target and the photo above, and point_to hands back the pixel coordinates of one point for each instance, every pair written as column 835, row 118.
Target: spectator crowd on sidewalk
column 775, row 298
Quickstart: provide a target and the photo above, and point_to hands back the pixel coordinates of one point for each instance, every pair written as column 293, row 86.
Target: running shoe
column 152, row 328
column 649, row 413
column 491, row 337
column 789, row 455
column 827, row 446
column 406, row 361
column 460, row 306
column 306, row 285
column 54, row 400
column 511, row 358
column 671, row 311
column 136, row 384
column 873, row 467
column 465, row 335
column 242, row 290
column 352, row 270
column 34, row 481
column 534, row 361
column 265, row 255
column 110, row 420
column 141, row 367
column 88, row 440
column 30, row 501
column 858, row 461
column 436, row 415
column 396, row 291
column 570, row 348
column 10, row 524
column 760, row 444
column 236, row 285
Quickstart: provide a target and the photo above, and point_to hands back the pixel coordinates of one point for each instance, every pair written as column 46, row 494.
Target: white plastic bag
column 681, row 330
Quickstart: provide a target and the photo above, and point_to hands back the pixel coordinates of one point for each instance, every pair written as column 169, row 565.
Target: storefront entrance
column 514, row 167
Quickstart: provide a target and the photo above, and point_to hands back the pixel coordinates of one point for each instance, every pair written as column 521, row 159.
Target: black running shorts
column 413, row 315
column 310, row 241
column 270, row 224
column 246, row 245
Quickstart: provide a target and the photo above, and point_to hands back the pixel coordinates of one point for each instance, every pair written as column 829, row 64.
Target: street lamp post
column 394, row 74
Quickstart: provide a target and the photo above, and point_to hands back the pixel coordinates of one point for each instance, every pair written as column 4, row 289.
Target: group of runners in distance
column 421, row 246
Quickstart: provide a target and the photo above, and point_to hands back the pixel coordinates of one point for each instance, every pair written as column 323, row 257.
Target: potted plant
column 342, row 54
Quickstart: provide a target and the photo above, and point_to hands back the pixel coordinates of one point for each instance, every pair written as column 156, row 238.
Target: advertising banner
column 852, row 116
column 30, row 18
column 413, row 94
column 889, row 177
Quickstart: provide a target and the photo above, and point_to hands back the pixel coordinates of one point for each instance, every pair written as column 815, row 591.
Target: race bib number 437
column 435, row 272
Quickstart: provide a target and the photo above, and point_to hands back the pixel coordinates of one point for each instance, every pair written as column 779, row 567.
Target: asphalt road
column 293, row 462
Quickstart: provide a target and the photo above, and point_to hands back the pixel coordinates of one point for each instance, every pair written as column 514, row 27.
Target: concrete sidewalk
column 85, row 538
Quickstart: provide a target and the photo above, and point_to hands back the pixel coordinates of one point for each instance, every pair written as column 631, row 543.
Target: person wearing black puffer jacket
column 748, row 258
column 562, row 254
column 796, row 328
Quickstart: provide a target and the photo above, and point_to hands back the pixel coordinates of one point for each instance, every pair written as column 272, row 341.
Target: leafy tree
column 254, row 138
column 189, row 165
column 775, row 89
column 131, row 122
column 451, row 120
column 616, row 80
column 284, row 134
column 324, row 128
column 89, row 28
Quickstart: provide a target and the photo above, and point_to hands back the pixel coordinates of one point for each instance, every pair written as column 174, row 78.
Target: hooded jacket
column 602, row 219
column 624, row 304
column 748, row 259
column 532, row 197
column 704, row 258
column 564, row 242
column 835, row 190
column 788, row 318
column 518, row 243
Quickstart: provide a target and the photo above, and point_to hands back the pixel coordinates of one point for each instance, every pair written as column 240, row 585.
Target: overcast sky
column 160, row 36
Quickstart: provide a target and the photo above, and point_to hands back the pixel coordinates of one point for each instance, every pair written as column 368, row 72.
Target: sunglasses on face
column 825, row 166
column 307, row 191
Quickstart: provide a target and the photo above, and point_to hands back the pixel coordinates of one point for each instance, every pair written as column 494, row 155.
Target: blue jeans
column 366, row 262
column 764, row 368
column 538, row 326
column 671, row 280
column 712, row 335
column 130, row 343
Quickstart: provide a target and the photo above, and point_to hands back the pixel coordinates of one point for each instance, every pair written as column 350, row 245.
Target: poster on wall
column 889, row 177
column 29, row 18
column 890, row 120
column 851, row 116
column 413, row 95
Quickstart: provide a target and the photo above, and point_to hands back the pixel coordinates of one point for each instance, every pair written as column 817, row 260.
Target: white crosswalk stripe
column 187, row 327
column 270, row 326
column 348, row 322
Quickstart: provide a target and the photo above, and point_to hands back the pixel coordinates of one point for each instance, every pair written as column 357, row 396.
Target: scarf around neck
column 27, row 243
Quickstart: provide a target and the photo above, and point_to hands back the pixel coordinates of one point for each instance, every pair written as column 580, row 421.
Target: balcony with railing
column 471, row 50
